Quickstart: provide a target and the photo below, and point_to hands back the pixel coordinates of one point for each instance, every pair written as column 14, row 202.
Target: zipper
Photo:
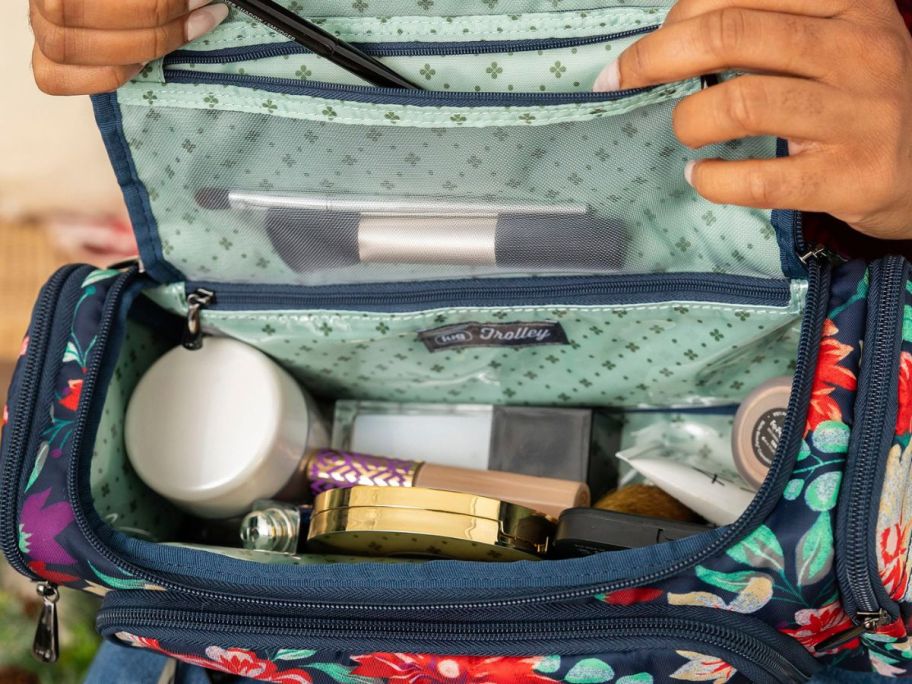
column 870, row 608
column 610, row 632
column 46, row 646
column 760, row 507
column 193, row 330
column 22, row 424
column 397, row 96
column 401, row 49
column 487, row 292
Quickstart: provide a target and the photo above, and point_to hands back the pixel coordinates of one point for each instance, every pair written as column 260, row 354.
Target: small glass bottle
column 276, row 526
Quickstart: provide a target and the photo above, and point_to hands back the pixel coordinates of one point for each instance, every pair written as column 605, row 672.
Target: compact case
column 587, row 274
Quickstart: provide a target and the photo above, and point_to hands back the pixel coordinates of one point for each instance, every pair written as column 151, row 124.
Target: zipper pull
column 821, row 252
column 193, row 332
column 866, row 622
column 127, row 264
column 46, row 648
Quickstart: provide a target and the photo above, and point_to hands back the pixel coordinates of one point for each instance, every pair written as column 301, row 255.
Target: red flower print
column 40, row 568
column 5, row 414
column 828, row 376
column 408, row 668
column 893, row 547
column 23, row 350
column 628, row 597
column 236, row 661
column 70, row 398
column 904, row 415
column 817, row 625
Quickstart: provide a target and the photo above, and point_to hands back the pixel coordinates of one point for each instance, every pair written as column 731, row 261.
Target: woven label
column 519, row 334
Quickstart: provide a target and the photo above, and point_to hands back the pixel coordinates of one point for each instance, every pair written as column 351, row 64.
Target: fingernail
column 609, row 80
column 689, row 172
column 204, row 20
column 196, row 4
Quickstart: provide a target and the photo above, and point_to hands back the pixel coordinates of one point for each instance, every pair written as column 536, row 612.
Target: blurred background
column 59, row 203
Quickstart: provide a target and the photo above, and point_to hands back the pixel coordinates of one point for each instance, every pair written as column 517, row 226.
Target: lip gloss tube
column 331, row 469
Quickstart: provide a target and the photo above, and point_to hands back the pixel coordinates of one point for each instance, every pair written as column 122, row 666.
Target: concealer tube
column 331, row 469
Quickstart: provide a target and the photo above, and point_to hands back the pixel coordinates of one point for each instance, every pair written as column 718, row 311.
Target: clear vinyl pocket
column 242, row 178
column 569, row 643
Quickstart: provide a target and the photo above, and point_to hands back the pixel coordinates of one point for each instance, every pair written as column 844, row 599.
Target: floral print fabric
column 782, row 572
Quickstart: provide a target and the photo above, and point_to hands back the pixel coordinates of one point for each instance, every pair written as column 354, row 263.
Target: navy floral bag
column 666, row 300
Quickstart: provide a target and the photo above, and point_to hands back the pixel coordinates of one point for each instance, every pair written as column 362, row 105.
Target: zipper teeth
column 401, row 49
column 724, row 637
column 30, row 382
column 494, row 291
column 374, row 94
column 868, row 455
column 731, row 533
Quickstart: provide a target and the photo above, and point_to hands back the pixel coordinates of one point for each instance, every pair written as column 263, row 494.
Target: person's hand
column 833, row 78
column 93, row 46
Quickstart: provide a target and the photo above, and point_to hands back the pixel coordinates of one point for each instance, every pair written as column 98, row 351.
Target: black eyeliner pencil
column 323, row 43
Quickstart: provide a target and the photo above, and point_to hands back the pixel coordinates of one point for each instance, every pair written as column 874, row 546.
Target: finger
column 688, row 9
column 763, row 105
column 64, row 79
column 124, row 14
column 749, row 40
column 90, row 47
column 786, row 183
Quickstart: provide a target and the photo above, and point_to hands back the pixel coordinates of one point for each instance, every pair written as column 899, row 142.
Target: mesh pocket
column 252, row 181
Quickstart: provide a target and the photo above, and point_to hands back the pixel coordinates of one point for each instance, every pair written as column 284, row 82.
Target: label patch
column 518, row 334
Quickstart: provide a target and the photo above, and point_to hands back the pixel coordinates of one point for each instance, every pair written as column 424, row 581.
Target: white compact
column 217, row 428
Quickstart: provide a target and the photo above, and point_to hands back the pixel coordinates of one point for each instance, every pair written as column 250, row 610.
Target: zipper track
column 722, row 636
column 868, row 455
column 760, row 507
column 402, row 49
column 394, row 96
column 503, row 292
column 23, row 422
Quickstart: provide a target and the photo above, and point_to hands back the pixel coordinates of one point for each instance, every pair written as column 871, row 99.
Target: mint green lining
column 232, row 98
column 563, row 70
column 121, row 499
column 671, row 353
column 242, row 30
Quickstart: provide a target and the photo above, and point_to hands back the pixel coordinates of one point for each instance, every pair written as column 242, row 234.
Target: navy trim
column 110, row 123
column 489, row 292
column 788, row 232
column 398, row 96
column 400, row 48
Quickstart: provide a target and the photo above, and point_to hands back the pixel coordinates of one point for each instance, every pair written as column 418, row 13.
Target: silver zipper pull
column 46, row 648
column 193, row 332
column 127, row 264
column 865, row 623
column 821, row 252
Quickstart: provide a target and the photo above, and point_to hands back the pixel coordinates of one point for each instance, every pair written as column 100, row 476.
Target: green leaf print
column 822, row 493
column 116, row 582
column 814, row 554
column 339, row 673
column 760, row 549
column 735, row 582
column 548, row 664
column 293, row 654
column 590, row 671
column 831, row 437
column 639, row 678
column 40, row 460
column 907, row 323
column 99, row 275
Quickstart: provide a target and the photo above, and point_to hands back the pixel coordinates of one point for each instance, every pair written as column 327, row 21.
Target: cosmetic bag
column 240, row 156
